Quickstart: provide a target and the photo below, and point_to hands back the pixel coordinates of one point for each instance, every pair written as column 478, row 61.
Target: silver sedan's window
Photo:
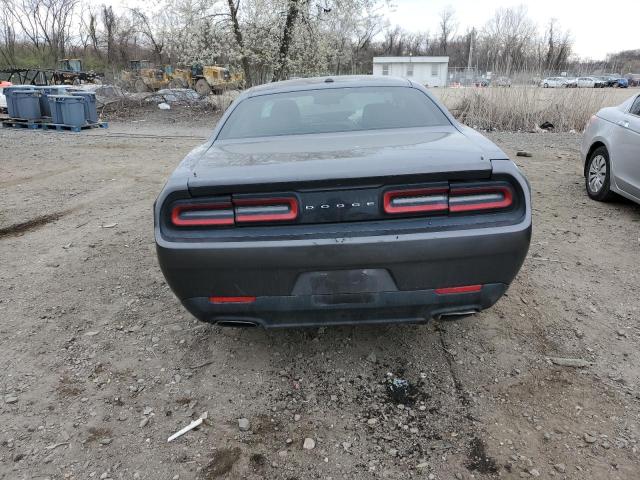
column 332, row 110
column 635, row 108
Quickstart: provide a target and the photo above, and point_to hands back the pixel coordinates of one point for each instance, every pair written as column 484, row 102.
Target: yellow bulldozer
column 143, row 76
column 205, row 79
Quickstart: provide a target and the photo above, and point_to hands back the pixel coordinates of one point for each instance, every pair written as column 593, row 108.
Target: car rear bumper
column 275, row 272
column 346, row 309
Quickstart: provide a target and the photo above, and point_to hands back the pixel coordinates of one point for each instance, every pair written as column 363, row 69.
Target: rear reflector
column 464, row 289
column 202, row 214
column 416, row 200
column 232, row 299
column 469, row 199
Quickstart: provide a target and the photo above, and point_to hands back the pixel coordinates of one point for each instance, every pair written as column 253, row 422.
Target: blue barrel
column 45, row 106
column 12, row 108
column 55, row 108
column 27, row 104
column 72, row 109
column 90, row 110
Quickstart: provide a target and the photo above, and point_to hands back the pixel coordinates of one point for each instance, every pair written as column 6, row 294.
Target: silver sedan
column 611, row 152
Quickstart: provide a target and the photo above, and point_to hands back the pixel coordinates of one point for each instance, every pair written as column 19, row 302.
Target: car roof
column 331, row 81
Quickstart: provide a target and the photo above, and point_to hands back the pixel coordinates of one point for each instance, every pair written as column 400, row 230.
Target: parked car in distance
column 553, row 82
column 481, row 82
column 611, row 151
column 502, row 82
column 590, row 82
column 571, row 82
column 615, row 81
column 341, row 200
column 620, row 82
column 633, row 79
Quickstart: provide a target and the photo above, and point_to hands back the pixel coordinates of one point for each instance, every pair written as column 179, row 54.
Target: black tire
column 140, row 86
column 598, row 190
column 202, row 87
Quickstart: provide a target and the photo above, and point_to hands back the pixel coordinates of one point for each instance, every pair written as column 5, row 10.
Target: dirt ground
column 101, row 363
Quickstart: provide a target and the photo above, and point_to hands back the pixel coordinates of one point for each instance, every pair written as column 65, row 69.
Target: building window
column 435, row 70
column 410, row 70
column 385, row 69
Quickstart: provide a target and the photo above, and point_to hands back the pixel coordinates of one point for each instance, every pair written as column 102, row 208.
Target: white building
column 428, row 71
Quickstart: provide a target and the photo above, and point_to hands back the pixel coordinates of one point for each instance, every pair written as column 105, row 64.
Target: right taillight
column 478, row 198
column 456, row 198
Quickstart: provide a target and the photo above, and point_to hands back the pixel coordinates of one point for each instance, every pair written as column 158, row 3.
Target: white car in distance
column 589, row 82
column 553, row 82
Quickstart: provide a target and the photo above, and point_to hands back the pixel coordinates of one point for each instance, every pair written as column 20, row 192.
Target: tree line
column 269, row 39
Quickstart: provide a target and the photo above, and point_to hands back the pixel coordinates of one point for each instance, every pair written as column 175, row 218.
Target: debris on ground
column 399, row 390
column 243, row 424
column 570, row 362
column 523, row 153
column 309, row 444
column 191, row 426
column 175, row 95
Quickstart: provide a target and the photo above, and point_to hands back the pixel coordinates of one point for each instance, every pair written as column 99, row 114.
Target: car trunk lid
column 338, row 160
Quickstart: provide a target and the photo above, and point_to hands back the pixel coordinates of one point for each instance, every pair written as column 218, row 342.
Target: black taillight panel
column 347, row 205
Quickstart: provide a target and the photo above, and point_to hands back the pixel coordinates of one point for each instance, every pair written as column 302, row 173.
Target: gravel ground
column 102, row 363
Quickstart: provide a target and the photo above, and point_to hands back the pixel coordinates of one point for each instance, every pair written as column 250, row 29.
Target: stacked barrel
column 56, row 105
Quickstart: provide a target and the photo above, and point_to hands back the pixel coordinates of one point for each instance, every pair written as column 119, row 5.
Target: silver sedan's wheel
column 597, row 173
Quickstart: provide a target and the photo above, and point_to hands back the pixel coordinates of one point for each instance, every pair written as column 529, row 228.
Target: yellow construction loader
column 143, row 76
column 205, row 79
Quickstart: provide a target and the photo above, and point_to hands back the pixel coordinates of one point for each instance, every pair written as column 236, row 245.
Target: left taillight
column 202, row 214
column 236, row 211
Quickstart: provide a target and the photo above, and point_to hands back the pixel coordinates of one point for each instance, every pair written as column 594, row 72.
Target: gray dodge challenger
column 341, row 200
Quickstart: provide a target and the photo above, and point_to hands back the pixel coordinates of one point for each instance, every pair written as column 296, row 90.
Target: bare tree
column 237, row 33
column 152, row 29
column 293, row 11
column 46, row 24
column 7, row 37
column 448, row 26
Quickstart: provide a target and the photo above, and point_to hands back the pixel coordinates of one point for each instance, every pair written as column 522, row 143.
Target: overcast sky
column 597, row 27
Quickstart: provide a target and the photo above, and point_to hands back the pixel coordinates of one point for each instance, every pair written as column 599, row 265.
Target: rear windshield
column 332, row 110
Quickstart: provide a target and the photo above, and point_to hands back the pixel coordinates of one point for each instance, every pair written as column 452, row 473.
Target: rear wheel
column 140, row 86
column 546, row 85
column 202, row 87
column 598, row 175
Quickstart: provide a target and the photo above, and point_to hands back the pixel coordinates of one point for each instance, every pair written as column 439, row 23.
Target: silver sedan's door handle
column 623, row 123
